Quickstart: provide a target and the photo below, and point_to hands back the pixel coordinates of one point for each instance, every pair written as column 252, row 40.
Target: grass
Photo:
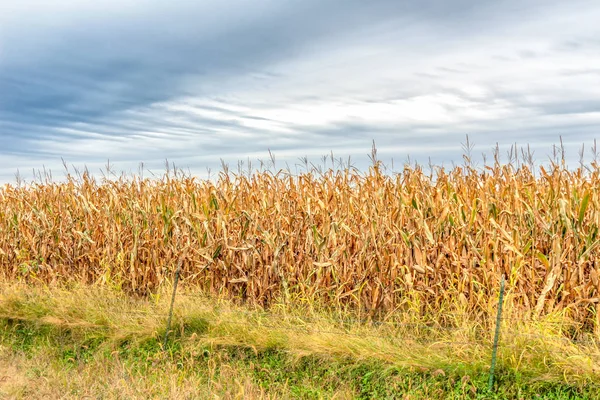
column 78, row 341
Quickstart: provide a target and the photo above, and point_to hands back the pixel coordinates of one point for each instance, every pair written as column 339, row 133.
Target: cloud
column 195, row 82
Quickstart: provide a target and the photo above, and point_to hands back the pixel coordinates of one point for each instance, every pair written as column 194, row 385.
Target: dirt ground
column 15, row 382
column 11, row 379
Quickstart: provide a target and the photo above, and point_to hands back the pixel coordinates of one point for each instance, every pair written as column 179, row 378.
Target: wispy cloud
column 194, row 82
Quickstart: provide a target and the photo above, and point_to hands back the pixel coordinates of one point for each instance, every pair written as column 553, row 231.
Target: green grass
column 58, row 343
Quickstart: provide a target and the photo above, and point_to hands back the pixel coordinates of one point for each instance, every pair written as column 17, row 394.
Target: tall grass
column 373, row 242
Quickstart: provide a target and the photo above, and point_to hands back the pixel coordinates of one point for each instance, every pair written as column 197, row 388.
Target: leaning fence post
column 496, row 335
column 172, row 303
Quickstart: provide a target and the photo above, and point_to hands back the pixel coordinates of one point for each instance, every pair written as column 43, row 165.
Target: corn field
column 370, row 241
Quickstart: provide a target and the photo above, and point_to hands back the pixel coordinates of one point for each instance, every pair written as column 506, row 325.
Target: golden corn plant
column 372, row 242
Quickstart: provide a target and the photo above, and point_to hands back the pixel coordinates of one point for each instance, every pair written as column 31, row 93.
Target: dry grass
column 91, row 341
column 371, row 243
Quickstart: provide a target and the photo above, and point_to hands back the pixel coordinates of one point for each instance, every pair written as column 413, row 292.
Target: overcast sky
column 196, row 81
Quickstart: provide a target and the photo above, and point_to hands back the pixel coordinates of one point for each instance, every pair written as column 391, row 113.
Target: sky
column 204, row 81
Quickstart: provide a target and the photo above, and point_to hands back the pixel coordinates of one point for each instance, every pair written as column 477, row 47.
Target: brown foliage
column 372, row 241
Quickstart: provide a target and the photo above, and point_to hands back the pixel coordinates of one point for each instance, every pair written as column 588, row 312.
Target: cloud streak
column 202, row 81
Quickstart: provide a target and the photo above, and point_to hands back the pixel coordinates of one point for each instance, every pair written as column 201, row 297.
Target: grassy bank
column 92, row 341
